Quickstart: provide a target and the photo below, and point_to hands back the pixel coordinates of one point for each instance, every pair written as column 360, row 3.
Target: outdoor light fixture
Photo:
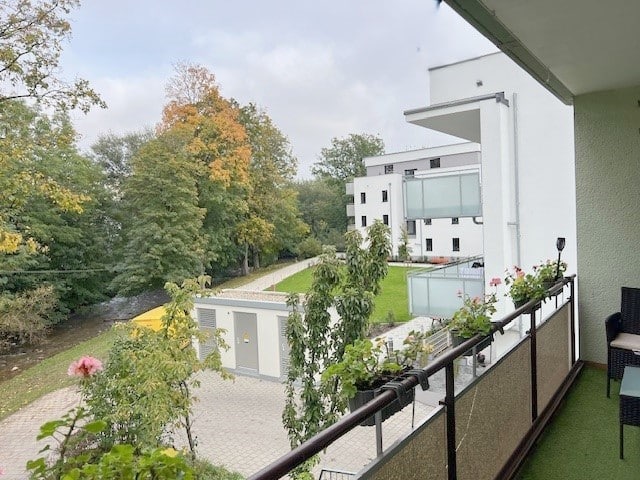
column 560, row 243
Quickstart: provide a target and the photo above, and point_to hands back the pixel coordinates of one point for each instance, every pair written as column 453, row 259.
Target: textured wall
column 553, row 355
column 608, row 208
column 493, row 417
column 422, row 456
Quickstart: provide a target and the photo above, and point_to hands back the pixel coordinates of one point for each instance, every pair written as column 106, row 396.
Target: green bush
column 309, row 247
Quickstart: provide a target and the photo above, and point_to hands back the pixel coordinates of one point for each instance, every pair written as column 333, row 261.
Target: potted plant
column 474, row 317
column 367, row 365
column 523, row 287
column 550, row 272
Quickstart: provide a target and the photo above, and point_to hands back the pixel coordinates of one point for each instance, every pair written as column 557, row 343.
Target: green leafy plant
column 523, row 287
column 547, row 271
column 368, row 364
column 475, row 314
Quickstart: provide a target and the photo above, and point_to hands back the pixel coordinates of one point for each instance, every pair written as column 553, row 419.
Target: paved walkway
column 271, row 279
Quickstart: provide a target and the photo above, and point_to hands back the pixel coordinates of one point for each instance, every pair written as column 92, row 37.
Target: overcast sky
column 320, row 69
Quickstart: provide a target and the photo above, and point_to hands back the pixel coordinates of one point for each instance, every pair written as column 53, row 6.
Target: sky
column 319, row 69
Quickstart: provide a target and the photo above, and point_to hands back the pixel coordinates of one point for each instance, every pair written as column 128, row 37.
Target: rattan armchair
column 623, row 336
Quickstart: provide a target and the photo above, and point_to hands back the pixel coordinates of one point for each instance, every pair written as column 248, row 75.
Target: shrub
column 309, row 247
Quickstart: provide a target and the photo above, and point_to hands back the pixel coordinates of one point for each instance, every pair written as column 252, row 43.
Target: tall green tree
column 342, row 161
column 272, row 223
column 164, row 240
column 32, row 33
column 316, row 341
column 319, row 204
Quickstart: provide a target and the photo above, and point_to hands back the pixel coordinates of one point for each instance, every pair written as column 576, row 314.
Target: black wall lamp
column 560, row 243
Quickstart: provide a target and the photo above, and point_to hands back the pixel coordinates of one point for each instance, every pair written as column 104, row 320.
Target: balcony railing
column 351, row 210
column 348, row 188
column 433, row 292
column 485, row 428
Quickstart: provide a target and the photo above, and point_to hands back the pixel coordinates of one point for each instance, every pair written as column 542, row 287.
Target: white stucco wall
column 608, row 208
column 268, row 336
column 530, row 138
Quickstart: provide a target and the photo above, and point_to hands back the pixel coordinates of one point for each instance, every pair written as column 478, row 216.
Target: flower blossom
column 84, row 367
column 495, row 282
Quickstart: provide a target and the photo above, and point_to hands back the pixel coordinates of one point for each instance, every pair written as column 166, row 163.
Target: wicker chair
column 623, row 336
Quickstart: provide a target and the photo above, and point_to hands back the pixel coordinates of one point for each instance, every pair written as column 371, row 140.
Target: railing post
column 534, row 366
column 450, row 403
column 572, row 327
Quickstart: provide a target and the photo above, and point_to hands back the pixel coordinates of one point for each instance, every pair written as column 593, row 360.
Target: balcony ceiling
column 570, row 46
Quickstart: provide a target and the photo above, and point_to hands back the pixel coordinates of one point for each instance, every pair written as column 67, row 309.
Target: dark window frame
column 385, row 196
column 429, row 244
column 456, row 244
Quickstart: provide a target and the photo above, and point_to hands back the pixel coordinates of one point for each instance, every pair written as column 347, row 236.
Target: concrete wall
column 608, row 208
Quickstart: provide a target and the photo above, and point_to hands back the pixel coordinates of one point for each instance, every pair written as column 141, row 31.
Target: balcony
column 351, row 210
column 433, row 292
column 348, row 188
column 443, row 195
column 486, row 424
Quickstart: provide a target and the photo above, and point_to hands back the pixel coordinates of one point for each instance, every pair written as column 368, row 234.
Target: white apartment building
column 380, row 196
column 515, row 177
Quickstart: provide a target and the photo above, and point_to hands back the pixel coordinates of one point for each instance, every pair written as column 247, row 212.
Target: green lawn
column 582, row 441
column 393, row 296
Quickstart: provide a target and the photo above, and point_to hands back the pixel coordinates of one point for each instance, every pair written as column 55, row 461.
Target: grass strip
column 393, row 296
column 50, row 374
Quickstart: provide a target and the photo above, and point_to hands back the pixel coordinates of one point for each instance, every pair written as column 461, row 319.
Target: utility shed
column 255, row 325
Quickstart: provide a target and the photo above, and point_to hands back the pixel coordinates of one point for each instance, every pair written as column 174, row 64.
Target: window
column 363, row 220
column 410, row 172
column 385, row 196
column 385, row 219
column 455, row 221
column 429, row 244
column 411, row 228
column 363, row 197
column 388, row 169
column 434, row 163
column 456, row 244
column 427, row 221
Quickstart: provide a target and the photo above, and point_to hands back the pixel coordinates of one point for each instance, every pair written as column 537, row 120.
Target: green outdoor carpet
column 582, row 442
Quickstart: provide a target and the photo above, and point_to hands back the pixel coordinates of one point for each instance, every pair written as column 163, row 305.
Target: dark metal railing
column 323, row 439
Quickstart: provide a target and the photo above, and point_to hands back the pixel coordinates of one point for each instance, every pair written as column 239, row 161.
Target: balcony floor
column 582, row 441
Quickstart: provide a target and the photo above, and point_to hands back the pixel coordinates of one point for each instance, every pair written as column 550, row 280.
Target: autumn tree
column 218, row 146
column 32, row 33
column 316, row 341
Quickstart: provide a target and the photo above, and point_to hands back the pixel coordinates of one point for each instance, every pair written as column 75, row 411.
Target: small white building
column 255, row 330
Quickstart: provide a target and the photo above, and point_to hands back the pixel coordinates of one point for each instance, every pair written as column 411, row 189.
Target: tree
column 113, row 154
column 404, row 249
column 316, row 341
column 164, row 240
column 31, row 38
column 217, row 145
column 273, row 220
column 320, row 204
column 342, row 161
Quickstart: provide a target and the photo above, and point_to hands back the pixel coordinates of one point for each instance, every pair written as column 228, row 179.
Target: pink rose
column 495, row 282
column 85, row 367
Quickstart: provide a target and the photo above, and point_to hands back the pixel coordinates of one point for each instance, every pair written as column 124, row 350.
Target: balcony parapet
column 348, row 188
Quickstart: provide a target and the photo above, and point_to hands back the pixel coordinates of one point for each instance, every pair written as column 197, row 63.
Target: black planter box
column 456, row 340
column 364, row 396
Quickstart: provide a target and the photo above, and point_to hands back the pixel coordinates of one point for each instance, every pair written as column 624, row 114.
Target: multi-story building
column 380, row 196
column 488, row 196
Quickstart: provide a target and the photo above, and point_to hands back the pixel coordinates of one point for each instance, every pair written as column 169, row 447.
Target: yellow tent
column 150, row 319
